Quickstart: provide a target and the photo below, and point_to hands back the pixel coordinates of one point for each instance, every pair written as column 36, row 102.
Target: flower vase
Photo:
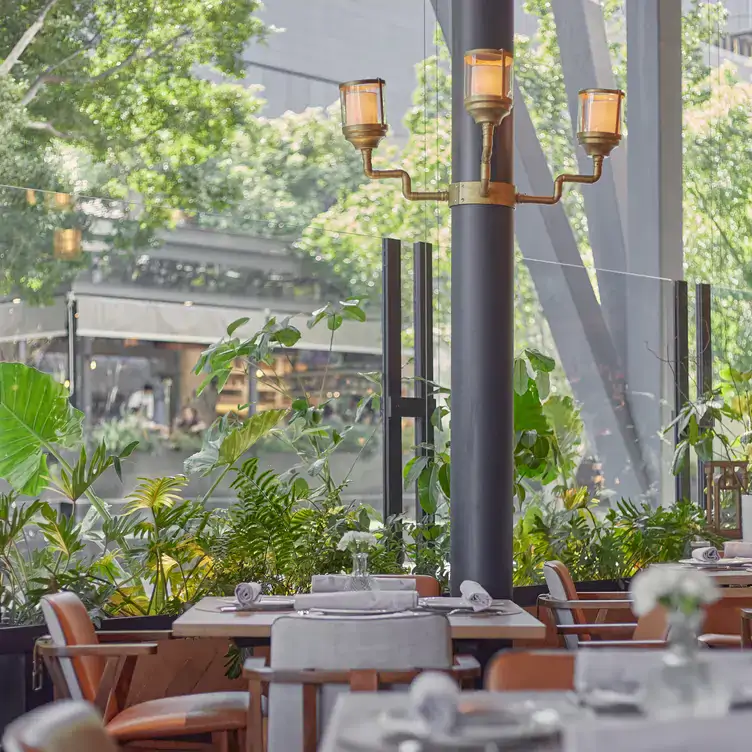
column 684, row 684
column 360, row 579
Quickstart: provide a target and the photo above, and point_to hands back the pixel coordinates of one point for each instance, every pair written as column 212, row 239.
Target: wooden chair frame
column 605, row 635
column 121, row 649
column 465, row 671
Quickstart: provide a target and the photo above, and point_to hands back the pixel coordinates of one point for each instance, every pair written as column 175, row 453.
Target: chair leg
column 221, row 741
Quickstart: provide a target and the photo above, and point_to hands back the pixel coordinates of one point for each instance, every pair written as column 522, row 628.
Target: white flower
column 672, row 587
column 357, row 542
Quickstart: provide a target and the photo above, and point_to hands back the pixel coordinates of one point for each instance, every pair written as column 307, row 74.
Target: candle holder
column 488, row 100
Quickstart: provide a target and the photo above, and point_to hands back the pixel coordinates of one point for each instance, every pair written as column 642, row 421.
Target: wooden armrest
column 624, row 595
column 118, row 650
column 593, row 629
column 649, row 644
column 115, row 635
column 594, row 605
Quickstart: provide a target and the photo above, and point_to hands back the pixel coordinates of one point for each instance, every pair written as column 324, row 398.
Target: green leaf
column 414, row 468
column 521, row 377
column 35, row 415
column 445, row 479
column 287, row 336
column 334, row 322
column 539, row 361
column 543, row 382
column 235, row 325
column 226, row 442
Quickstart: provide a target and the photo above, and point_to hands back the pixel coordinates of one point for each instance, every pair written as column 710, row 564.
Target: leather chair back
column 69, row 624
column 63, row 726
column 561, row 587
column 531, row 671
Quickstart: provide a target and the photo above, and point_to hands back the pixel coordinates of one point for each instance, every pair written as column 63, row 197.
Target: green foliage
column 280, row 535
column 611, row 546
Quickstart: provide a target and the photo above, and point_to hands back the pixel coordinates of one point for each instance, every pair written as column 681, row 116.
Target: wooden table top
column 741, row 577
column 206, row 620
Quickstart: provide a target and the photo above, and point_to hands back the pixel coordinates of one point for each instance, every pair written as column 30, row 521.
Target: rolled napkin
column 337, row 583
column 475, row 596
column 434, row 701
column 742, row 549
column 247, row 593
column 707, row 553
column 366, row 600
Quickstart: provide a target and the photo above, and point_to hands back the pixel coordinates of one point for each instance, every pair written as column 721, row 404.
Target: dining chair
column 569, row 609
column 531, row 670
column 64, row 726
column 98, row 667
column 314, row 658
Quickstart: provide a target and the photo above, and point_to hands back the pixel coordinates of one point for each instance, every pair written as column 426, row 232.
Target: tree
column 103, row 97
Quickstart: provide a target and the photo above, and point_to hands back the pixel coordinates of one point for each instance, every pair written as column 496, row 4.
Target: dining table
column 206, row 619
column 360, row 723
column 725, row 576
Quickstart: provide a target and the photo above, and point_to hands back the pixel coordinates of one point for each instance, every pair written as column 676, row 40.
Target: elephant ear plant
column 37, row 420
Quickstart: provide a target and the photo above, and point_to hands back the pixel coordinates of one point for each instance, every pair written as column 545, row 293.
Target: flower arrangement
column 356, row 542
column 678, row 590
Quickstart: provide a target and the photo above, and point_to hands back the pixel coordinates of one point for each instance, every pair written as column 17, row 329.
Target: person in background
column 141, row 402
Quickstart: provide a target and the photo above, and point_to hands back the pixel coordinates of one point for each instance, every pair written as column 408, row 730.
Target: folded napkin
column 707, row 553
column 337, row 583
column 434, row 701
column 742, row 549
column 366, row 600
column 247, row 593
column 475, row 596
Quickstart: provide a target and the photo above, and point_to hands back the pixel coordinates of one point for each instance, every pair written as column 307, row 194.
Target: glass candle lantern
column 488, row 73
column 362, row 103
column 67, row 244
column 600, row 111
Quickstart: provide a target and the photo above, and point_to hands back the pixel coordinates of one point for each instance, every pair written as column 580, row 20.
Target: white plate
column 354, row 611
column 720, row 564
column 444, row 604
column 514, row 724
column 278, row 604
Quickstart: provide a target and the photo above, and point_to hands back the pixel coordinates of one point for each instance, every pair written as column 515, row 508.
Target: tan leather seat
column 181, row 716
column 82, row 676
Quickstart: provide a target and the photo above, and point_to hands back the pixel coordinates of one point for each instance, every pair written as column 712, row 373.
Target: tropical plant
column 37, row 419
column 596, row 547
column 718, row 425
column 43, row 551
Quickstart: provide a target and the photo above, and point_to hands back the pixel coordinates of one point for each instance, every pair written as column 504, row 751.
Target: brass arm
column 407, row 190
column 524, row 198
column 485, row 158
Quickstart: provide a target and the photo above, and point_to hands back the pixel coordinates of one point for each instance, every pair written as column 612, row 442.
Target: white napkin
column 742, row 549
column 475, row 596
column 434, row 700
column 367, row 600
column 247, row 593
column 337, row 583
column 707, row 553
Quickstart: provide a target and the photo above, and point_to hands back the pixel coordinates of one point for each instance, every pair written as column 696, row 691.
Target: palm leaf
column 155, row 493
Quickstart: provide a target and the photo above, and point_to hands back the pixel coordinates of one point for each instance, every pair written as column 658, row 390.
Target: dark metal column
column 423, row 320
column 482, row 326
column 391, row 387
column 74, row 365
column 681, row 374
column 703, row 334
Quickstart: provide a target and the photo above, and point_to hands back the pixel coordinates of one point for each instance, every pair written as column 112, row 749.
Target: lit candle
column 487, row 80
column 362, row 107
column 601, row 114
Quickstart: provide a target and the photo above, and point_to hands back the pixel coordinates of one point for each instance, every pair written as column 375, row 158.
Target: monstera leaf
column 227, row 441
column 35, row 417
